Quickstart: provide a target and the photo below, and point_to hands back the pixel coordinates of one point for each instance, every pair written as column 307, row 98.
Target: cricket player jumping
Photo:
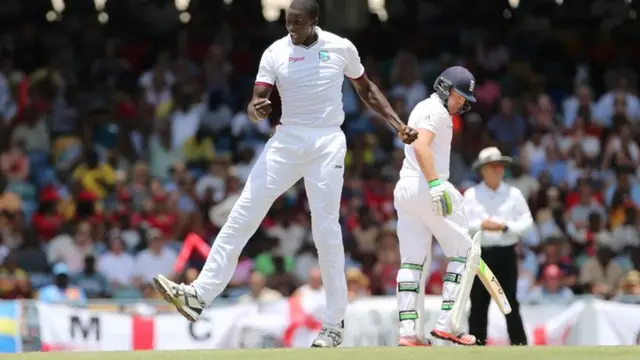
column 423, row 181
column 308, row 66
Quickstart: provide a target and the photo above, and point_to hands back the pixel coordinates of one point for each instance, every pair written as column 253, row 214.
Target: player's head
column 301, row 18
column 455, row 88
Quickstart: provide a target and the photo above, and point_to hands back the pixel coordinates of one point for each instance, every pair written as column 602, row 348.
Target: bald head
column 308, row 7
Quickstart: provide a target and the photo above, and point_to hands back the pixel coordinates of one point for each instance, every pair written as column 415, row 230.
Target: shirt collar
column 318, row 32
column 501, row 188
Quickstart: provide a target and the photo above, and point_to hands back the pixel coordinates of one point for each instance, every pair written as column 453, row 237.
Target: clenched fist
column 262, row 108
column 407, row 134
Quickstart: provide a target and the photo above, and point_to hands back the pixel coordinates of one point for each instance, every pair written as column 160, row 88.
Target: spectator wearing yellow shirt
column 95, row 177
column 198, row 151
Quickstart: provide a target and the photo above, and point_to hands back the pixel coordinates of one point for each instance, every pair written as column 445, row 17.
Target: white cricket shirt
column 309, row 78
column 430, row 114
column 505, row 205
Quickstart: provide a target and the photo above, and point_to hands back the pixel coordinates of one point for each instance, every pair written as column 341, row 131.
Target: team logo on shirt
column 323, row 55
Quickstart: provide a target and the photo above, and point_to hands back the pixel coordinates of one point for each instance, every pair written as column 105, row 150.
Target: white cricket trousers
column 417, row 223
column 293, row 152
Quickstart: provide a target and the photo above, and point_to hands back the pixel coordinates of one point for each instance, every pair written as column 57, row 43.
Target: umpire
column 501, row 212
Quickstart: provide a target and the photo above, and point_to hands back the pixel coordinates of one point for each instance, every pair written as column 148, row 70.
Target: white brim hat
column 491, row 155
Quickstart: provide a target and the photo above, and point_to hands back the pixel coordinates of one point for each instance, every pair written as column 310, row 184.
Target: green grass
column 387, row 353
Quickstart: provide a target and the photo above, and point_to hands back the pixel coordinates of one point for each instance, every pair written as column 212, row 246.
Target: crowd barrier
column 36, row 326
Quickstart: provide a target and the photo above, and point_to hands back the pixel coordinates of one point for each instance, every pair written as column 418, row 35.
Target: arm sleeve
column 428, row 121
column 266, row 70
column 525, row 220
column 353, row 68
column 471, row 211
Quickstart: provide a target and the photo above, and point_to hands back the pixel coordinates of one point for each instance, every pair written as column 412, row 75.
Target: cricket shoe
column 460, row 339
column 329, row 337
column 183, row 297
column 412, row 341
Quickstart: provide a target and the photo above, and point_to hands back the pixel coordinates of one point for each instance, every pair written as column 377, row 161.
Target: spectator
column 357, row 284
column 290, row 235
column 313, row 288
column 94, row 284
column 15, row 163
column 507, row 128
column 163, row 156
column 259, row 292
column 158, row 258
column 186, row 116
column 552, row 290
column 14, row 281
column 629, row 290
column 386, row 268
column 32, row 258
column 219, row 213
column 48, row 219
column 214, row 180
column 270, row 261
column 115, row 264
column 306, row 260
column 599, row 275
column 198, row 151
column 71, row 251
column 33, row 133
column 95, row 177
column 605, row 108
column 583, row 99
column 61, row 291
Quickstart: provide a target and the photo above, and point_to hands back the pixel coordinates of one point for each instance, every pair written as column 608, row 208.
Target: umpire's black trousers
column 503, row 261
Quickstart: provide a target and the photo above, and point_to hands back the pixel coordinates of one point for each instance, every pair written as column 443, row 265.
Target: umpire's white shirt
column 505, row 205
column 309, row 78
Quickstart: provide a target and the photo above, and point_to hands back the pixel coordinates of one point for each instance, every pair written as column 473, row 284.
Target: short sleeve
column 425, row 120
column 266, row 71
column 353, row 69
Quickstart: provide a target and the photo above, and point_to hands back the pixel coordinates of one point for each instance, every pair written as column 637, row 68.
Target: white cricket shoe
column 183, row 297
column 329, row 337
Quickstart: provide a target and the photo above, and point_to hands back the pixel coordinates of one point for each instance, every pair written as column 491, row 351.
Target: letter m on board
column 85, row 328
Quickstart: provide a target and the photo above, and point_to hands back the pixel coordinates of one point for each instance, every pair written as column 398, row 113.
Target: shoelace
column 332, row 334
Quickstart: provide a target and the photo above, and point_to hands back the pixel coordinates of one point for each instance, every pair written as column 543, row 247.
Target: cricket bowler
column 427, row 204
column 308, row 66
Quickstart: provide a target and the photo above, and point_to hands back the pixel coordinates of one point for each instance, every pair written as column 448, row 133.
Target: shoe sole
column 407, row 344
column 449, row 338
column 166, row 294
column 318, row 346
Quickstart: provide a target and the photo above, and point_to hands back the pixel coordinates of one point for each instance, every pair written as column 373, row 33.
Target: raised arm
column 373, row 97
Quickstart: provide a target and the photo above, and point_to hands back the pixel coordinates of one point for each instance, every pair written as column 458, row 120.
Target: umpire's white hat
column 491, row 155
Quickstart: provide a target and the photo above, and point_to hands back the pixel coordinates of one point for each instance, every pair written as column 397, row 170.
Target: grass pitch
column 387, row 353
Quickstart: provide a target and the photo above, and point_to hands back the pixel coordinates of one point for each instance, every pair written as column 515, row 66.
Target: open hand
column 262, row 108
column 407, row 134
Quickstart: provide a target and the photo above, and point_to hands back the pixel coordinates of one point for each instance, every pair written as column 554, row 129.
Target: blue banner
column 10, row 341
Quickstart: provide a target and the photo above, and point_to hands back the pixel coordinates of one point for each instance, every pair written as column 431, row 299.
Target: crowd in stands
column 114, row 149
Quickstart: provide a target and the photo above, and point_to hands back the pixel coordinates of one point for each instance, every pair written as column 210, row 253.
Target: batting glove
column 440, row 198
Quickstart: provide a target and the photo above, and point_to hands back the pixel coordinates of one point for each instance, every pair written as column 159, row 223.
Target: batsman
column 429, row 206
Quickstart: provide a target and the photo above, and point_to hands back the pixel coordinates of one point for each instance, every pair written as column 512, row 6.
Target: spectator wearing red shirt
column 161, row 218
column 47, row 220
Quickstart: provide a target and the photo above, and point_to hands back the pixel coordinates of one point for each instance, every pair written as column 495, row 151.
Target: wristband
column 255, row 112
column 505, row 229
column 434, row 183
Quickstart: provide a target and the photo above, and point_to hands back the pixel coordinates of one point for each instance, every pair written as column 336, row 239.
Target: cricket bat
column 477, row 267
column 494, row 288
